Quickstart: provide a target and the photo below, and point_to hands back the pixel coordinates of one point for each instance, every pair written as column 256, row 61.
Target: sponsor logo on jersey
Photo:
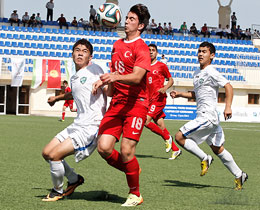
column 83, row 80
column 201, row 80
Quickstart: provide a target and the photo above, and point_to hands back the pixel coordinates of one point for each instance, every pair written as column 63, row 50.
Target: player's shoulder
column 95, row 69
column 211, row 70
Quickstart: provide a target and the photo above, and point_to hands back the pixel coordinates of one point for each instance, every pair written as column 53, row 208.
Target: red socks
column 132, row 176
column 131, row 169
column 154, row 128
column 63, row 115
column 115, row 160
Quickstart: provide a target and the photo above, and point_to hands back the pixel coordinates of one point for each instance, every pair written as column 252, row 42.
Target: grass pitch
column 164, row 184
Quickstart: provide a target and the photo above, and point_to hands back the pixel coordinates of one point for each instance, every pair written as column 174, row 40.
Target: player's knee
column 179, row 138
column 104, row 151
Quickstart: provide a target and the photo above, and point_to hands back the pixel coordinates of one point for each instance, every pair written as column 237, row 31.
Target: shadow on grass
column 150, row 156
column 92, row 196
column 175, row 183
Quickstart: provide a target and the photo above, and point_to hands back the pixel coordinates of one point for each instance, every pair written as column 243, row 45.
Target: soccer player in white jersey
column 205, row 127
column 79, row 138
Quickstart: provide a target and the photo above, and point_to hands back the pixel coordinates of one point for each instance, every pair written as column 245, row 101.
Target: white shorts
column 84, row 140
column 201, row 129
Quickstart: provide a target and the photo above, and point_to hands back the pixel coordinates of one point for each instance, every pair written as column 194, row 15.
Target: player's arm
column 177, row 94
column 108, row 89
column 65, row 96
column 133, row 78
column 167, row 86
column 229, row 98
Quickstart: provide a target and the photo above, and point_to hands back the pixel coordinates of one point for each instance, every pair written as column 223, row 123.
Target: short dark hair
column 84, row 42
column 154, row 46
column 209, row 45
column 65, row 82
column 143, row 14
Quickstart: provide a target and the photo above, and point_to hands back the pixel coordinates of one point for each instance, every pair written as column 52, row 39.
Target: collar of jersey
column 133, row 40
column 154, row 63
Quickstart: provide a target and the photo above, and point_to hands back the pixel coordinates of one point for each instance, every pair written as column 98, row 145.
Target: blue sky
column 175, row 11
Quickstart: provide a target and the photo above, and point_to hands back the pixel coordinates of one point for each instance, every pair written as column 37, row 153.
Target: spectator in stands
column 50, row 6
column 14, row 18
column 163, row 59
column 193, row 30
column 92, row 13
column 84, row 23
column 248, row 34
column 165, row 29
column 219, row 31
column 170, row 29
column 233, row 20
column 227, row 32
column 160, row 29
column 32, row 21
column 74, row 22
column 205, row 31
column 154, row 27
column 25, row 19
column 239, row 32
column 62, row 21
column 183, row 29
column 234, row 32
column 38, row 19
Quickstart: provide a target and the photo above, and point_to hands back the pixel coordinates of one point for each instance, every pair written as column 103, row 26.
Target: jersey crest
column 83, row 80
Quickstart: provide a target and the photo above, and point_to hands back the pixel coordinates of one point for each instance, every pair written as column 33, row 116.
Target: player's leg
column 55, row 152
column 216, row 142
column 175, row 150
column 63, row 112
column 132, row 169
column 71, row 106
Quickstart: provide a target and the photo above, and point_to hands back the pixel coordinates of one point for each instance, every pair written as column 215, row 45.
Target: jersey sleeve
column 143, row 58
column 166, row 72
column 217, row 78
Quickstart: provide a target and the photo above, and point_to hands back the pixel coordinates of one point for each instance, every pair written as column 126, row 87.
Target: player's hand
column 108, row 78
column 95, row 86
column 51, row 100
column 162, row 90
column 227, row 113
column 174, row 94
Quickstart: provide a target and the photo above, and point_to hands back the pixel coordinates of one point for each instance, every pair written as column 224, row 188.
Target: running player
column 157, row 100
column 128, row 109
column 205, row 127
column 79, row 138
column 67, row 103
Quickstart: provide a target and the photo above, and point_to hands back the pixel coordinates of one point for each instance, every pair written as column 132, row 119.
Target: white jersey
column 90, row 108
column 206, row 84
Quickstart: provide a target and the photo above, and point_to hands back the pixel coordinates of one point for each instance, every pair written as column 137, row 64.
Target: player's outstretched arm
column 133, row 78
column 229, row 99
column 177, row 94
column 53, row 99
column 108, row 89
column 167, row 86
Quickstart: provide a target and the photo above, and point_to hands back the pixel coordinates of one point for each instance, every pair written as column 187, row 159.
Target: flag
column 18, row 65
column 70, row 69
column 39, row 73
column 54, row 74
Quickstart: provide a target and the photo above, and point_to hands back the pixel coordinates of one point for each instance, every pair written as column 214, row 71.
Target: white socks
column 229, row 162
column 57, row 174
column 192, row 147
column 69, row 173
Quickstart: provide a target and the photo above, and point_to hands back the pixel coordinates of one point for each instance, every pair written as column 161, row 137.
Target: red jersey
column 156, row 77
column 67, row 90
column 125, row 56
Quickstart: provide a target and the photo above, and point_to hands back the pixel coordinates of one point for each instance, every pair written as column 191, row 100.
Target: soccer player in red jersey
column 157, row 100
column 67, row 103
column 129, row 105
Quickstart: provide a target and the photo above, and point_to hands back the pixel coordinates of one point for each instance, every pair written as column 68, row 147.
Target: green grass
column 164, row 184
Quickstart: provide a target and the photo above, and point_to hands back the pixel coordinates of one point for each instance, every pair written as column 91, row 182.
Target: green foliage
column 164, row 184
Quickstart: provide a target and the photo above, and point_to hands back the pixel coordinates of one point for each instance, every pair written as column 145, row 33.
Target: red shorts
column 123, row 118
column 156, row 110
column 68, row 103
